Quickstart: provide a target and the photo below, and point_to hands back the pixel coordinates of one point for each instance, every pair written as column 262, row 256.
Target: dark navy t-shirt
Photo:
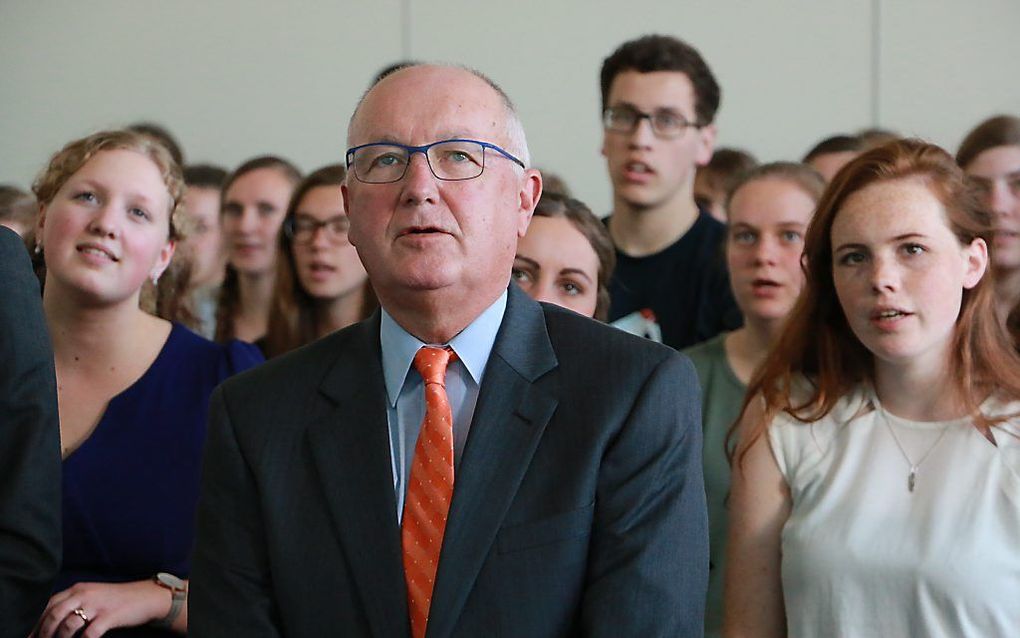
column 684, row 289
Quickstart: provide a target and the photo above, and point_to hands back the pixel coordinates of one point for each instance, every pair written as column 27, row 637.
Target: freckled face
column 900, row 272
column 106, row 230
column 556, row 263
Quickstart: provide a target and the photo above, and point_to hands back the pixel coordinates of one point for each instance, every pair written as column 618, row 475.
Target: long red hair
column 817, row 343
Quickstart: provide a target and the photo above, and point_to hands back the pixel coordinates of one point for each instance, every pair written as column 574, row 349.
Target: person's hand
column 100, row 607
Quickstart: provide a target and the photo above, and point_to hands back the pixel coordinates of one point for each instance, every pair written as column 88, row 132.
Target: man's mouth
column 639, row 168
column 420, row 230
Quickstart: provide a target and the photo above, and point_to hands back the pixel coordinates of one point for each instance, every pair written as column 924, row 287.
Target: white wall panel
column 235, row 79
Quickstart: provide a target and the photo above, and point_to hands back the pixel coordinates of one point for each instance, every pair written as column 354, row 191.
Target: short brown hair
column 726, row 166
column 17, row 206
column 665, row 53
column 205, row 176
column 835, row 144
column 1001, row 130
column 578, row 214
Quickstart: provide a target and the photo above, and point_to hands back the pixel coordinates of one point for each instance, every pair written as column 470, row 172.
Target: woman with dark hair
column 770, row 208
column 132, row 389
column 990, row 155
column 566, row 257
column 255, row 198
column 321, row 285
column 876, row 479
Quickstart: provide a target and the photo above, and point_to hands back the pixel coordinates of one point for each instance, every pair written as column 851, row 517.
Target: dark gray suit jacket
column 578, row 506
column 30, row 531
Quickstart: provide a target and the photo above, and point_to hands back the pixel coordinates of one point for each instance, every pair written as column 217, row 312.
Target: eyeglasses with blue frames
column 665, row 123
column 449, row 160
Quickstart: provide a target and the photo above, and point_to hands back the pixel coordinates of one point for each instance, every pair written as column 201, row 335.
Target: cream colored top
column 864, row 556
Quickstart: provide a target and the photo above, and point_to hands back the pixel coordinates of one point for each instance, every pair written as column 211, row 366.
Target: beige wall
column 237, row 79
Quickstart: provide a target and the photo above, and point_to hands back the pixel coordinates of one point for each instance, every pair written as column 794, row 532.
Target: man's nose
column 642, row 135
column 419, row 183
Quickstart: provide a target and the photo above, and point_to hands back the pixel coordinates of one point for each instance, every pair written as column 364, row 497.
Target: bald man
column 466, row 462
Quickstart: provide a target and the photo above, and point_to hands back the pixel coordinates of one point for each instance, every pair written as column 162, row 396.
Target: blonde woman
column 132, row 388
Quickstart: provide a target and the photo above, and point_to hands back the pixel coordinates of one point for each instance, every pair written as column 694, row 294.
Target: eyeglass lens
column 382, row 163
column 304, row 228
column 664, row 122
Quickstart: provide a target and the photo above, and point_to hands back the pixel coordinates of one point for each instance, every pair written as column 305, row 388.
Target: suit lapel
column 510, row 416
column 351, row 452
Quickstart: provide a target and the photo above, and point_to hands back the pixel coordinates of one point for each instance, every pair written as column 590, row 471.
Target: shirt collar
column 473, row 345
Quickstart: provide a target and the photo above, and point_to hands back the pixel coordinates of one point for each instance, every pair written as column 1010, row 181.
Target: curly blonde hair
column 68, row 160
column 165, row 299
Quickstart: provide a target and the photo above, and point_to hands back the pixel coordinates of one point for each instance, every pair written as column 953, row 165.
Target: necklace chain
column 912, row 476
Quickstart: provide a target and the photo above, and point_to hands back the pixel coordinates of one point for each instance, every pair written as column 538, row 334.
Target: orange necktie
column 429, row 488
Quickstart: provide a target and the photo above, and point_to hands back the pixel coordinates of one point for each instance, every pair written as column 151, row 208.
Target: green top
column 722, row 395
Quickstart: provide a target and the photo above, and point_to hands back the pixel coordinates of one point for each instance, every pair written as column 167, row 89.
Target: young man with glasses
column 465, row 461
column 659, row 99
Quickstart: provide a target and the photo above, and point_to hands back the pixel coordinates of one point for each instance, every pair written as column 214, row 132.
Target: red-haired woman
column 876, row 482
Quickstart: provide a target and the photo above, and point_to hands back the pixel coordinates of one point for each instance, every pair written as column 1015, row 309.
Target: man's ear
column 346, row 198
column 531, row 191
column 706, row 144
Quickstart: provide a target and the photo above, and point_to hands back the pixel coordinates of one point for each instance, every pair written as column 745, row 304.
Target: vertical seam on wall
column 405, row 29
column 876, row 63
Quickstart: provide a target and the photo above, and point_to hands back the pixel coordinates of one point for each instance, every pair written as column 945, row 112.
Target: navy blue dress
column 131, row 489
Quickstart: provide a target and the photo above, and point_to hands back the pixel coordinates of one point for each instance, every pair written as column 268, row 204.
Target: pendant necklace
column 912, row 476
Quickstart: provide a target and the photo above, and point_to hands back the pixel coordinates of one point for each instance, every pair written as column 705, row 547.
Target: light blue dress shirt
column 406, row 394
